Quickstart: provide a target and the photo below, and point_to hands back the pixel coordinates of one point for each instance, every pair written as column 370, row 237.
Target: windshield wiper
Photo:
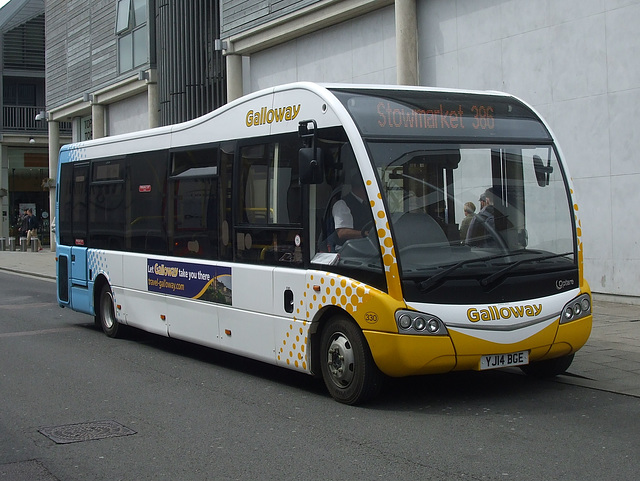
column 497, row 275
column 427, row 283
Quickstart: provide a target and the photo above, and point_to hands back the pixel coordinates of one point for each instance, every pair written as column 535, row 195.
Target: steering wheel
column 366, row 229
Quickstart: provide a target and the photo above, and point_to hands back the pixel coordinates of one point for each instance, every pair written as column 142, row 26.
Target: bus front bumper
column 399, row 355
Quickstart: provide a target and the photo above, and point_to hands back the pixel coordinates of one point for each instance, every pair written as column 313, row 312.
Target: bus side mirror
column 310, row 165
column 309, row 157
column 542, row 171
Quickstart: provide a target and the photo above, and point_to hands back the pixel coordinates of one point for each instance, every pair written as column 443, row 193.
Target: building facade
column 23, row 139
column 575, row 61
column 120, row 66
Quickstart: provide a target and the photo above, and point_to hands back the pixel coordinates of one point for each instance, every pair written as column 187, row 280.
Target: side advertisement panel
column 195, row 281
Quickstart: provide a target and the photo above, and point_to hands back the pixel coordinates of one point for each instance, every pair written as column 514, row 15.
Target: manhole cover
column 76, row 433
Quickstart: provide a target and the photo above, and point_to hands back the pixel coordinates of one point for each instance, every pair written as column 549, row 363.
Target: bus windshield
column 451, row 205
column 474, row 190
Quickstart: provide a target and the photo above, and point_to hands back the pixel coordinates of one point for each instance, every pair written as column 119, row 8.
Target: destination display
column 441, row 115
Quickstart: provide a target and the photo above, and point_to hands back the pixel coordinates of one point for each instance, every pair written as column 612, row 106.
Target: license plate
column 495, row 361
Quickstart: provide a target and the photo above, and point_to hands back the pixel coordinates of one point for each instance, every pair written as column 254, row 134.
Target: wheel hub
column 340, row 360
column 107, row 311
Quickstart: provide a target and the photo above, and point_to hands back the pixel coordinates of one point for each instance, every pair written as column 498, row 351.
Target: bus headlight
column 433, row 326
column 405, row 321
column 586, row 304
column 411, row 322
column 576, row 309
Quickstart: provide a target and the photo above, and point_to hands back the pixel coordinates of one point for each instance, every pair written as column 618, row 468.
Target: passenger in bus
column 469, row 213
column 483, row 223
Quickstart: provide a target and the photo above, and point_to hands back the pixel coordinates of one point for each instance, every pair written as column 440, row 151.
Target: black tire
column 548, row 368
column 348, row 369
column 105, row 314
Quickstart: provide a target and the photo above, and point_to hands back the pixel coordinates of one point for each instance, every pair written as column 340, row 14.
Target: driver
column 352, row 212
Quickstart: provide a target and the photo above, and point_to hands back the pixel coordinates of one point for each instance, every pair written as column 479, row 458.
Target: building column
column 54, row 148
column 153, row 101
column 406, row 42
column 234, row 77
column 5, row 220
column 97, row 121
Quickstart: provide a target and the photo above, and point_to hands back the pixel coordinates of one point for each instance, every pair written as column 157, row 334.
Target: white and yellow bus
column 230, row 231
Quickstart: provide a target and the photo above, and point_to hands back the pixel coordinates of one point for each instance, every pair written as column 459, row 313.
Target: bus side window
column 193, row 211
column 74, row 183
column 107, row 205
column 268, row 226
column 146, row 191
column 341, row 204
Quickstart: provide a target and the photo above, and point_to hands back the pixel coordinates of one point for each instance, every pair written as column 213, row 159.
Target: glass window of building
column 131, row 30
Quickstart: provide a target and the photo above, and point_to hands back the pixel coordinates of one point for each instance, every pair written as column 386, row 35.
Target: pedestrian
column 32, row 228
column 23, row 220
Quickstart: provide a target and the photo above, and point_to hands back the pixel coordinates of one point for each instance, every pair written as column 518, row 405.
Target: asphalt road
column 182, row 412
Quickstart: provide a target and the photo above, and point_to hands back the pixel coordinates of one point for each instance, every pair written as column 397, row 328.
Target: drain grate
column 77, row 433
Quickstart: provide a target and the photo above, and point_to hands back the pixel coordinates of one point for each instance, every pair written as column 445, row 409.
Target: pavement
column 610, row 361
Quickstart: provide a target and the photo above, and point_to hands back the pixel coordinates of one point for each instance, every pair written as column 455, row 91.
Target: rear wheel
column 548, row 368
column 106, row 314
column 348, row 369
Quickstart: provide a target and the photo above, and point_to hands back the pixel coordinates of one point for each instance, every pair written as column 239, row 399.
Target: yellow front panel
column 470, row 349
column 571, row 337
column 403, row 355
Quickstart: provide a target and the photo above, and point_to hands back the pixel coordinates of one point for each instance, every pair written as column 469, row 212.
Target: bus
column 318, row 228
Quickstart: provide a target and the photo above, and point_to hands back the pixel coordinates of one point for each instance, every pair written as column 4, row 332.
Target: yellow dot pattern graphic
column 293, row 349
column 369, row 307
column 389, row 259
column 338, row 291
column 579, row 236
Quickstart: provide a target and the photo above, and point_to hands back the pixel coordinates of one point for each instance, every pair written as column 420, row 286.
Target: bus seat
column 418, row 228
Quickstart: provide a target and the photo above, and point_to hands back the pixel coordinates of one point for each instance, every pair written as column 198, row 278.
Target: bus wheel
column 106, row 314
column 348, row 369
column 548, row 368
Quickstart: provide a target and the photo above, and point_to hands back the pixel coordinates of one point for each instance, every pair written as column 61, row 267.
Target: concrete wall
column 129, row 115
column 239, row 15
column 575, row 61
column 360, row 50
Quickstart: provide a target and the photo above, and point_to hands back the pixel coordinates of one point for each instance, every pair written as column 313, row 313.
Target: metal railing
column 23, row 119
column 16, row 117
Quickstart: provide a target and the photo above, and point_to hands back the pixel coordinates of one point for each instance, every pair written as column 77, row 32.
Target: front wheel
column 348, row 369
column 106, row 314
column 548, row 368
